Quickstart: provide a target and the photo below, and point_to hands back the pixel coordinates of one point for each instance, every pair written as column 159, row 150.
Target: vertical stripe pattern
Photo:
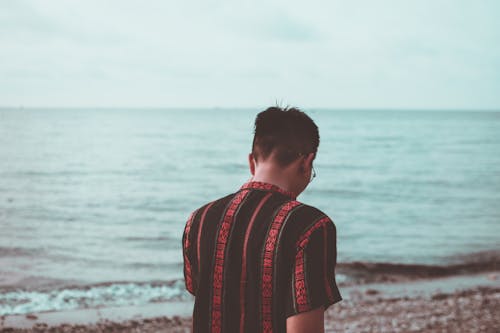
column 244, row 261
column 268, row 263
column 187, row 244
column 252, row 259
column 300, row 278
column 220, row 252
column 200, row 229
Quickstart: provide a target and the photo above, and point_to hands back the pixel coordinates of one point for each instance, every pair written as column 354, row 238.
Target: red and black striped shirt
column 256, row 257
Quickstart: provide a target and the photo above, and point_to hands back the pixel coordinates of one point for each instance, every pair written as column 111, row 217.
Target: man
column 258, row 260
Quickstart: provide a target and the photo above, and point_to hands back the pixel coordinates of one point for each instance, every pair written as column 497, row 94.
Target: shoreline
column 412, row 306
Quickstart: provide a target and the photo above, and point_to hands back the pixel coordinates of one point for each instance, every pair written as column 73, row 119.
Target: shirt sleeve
column 313, row 274
column 187, row 245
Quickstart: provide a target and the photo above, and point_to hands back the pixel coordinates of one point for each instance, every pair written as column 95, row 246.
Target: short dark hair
column 288, row 132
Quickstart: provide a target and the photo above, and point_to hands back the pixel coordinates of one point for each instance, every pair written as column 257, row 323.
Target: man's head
column 287, row 140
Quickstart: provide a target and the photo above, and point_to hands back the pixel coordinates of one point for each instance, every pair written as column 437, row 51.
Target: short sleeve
column 313, row 281
column 189, row 277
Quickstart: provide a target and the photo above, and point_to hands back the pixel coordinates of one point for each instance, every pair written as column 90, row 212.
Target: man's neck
column 274, row 176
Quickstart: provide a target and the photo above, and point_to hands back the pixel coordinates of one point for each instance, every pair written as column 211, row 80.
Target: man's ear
column 307, row 162
column 251, row 163
column 310, row 158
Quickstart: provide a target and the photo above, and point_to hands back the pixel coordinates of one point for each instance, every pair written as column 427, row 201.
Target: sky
column 422, row 54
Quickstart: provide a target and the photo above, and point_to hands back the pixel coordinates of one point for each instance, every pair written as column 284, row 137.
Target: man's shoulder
column 311, row 211
column 309, row 216
column 222, row 201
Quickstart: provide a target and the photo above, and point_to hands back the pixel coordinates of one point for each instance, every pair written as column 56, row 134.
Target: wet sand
column 459, row 304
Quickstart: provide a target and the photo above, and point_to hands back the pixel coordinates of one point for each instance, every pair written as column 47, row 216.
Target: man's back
column 256, row 257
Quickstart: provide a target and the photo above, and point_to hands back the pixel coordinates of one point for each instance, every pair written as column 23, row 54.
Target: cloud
column 203, row 53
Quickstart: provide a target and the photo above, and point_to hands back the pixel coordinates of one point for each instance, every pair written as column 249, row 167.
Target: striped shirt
column 256, row 257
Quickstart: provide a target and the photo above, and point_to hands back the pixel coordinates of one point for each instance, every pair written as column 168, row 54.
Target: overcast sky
column 207, row 53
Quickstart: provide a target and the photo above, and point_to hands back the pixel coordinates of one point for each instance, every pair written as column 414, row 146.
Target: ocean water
column 93, row 202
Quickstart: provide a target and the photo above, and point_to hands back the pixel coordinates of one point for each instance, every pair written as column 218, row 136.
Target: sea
column 93, row 201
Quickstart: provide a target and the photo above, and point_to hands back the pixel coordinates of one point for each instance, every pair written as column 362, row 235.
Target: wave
column 14, row 300
column 91, row 296
column 366, row 272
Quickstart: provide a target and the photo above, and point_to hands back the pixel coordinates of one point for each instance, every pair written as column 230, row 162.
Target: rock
column 439, row 296
column 371, row 292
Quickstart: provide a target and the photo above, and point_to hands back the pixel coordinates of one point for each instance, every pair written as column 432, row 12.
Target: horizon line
column 315, row 108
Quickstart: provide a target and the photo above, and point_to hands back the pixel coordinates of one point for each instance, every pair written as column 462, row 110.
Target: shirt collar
column 267, row 187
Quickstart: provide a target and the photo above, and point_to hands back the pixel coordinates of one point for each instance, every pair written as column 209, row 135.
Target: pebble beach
column 470, row 310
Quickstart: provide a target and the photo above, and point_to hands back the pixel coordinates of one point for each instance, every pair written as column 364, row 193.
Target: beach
column 93, row 204
column 467, row 303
